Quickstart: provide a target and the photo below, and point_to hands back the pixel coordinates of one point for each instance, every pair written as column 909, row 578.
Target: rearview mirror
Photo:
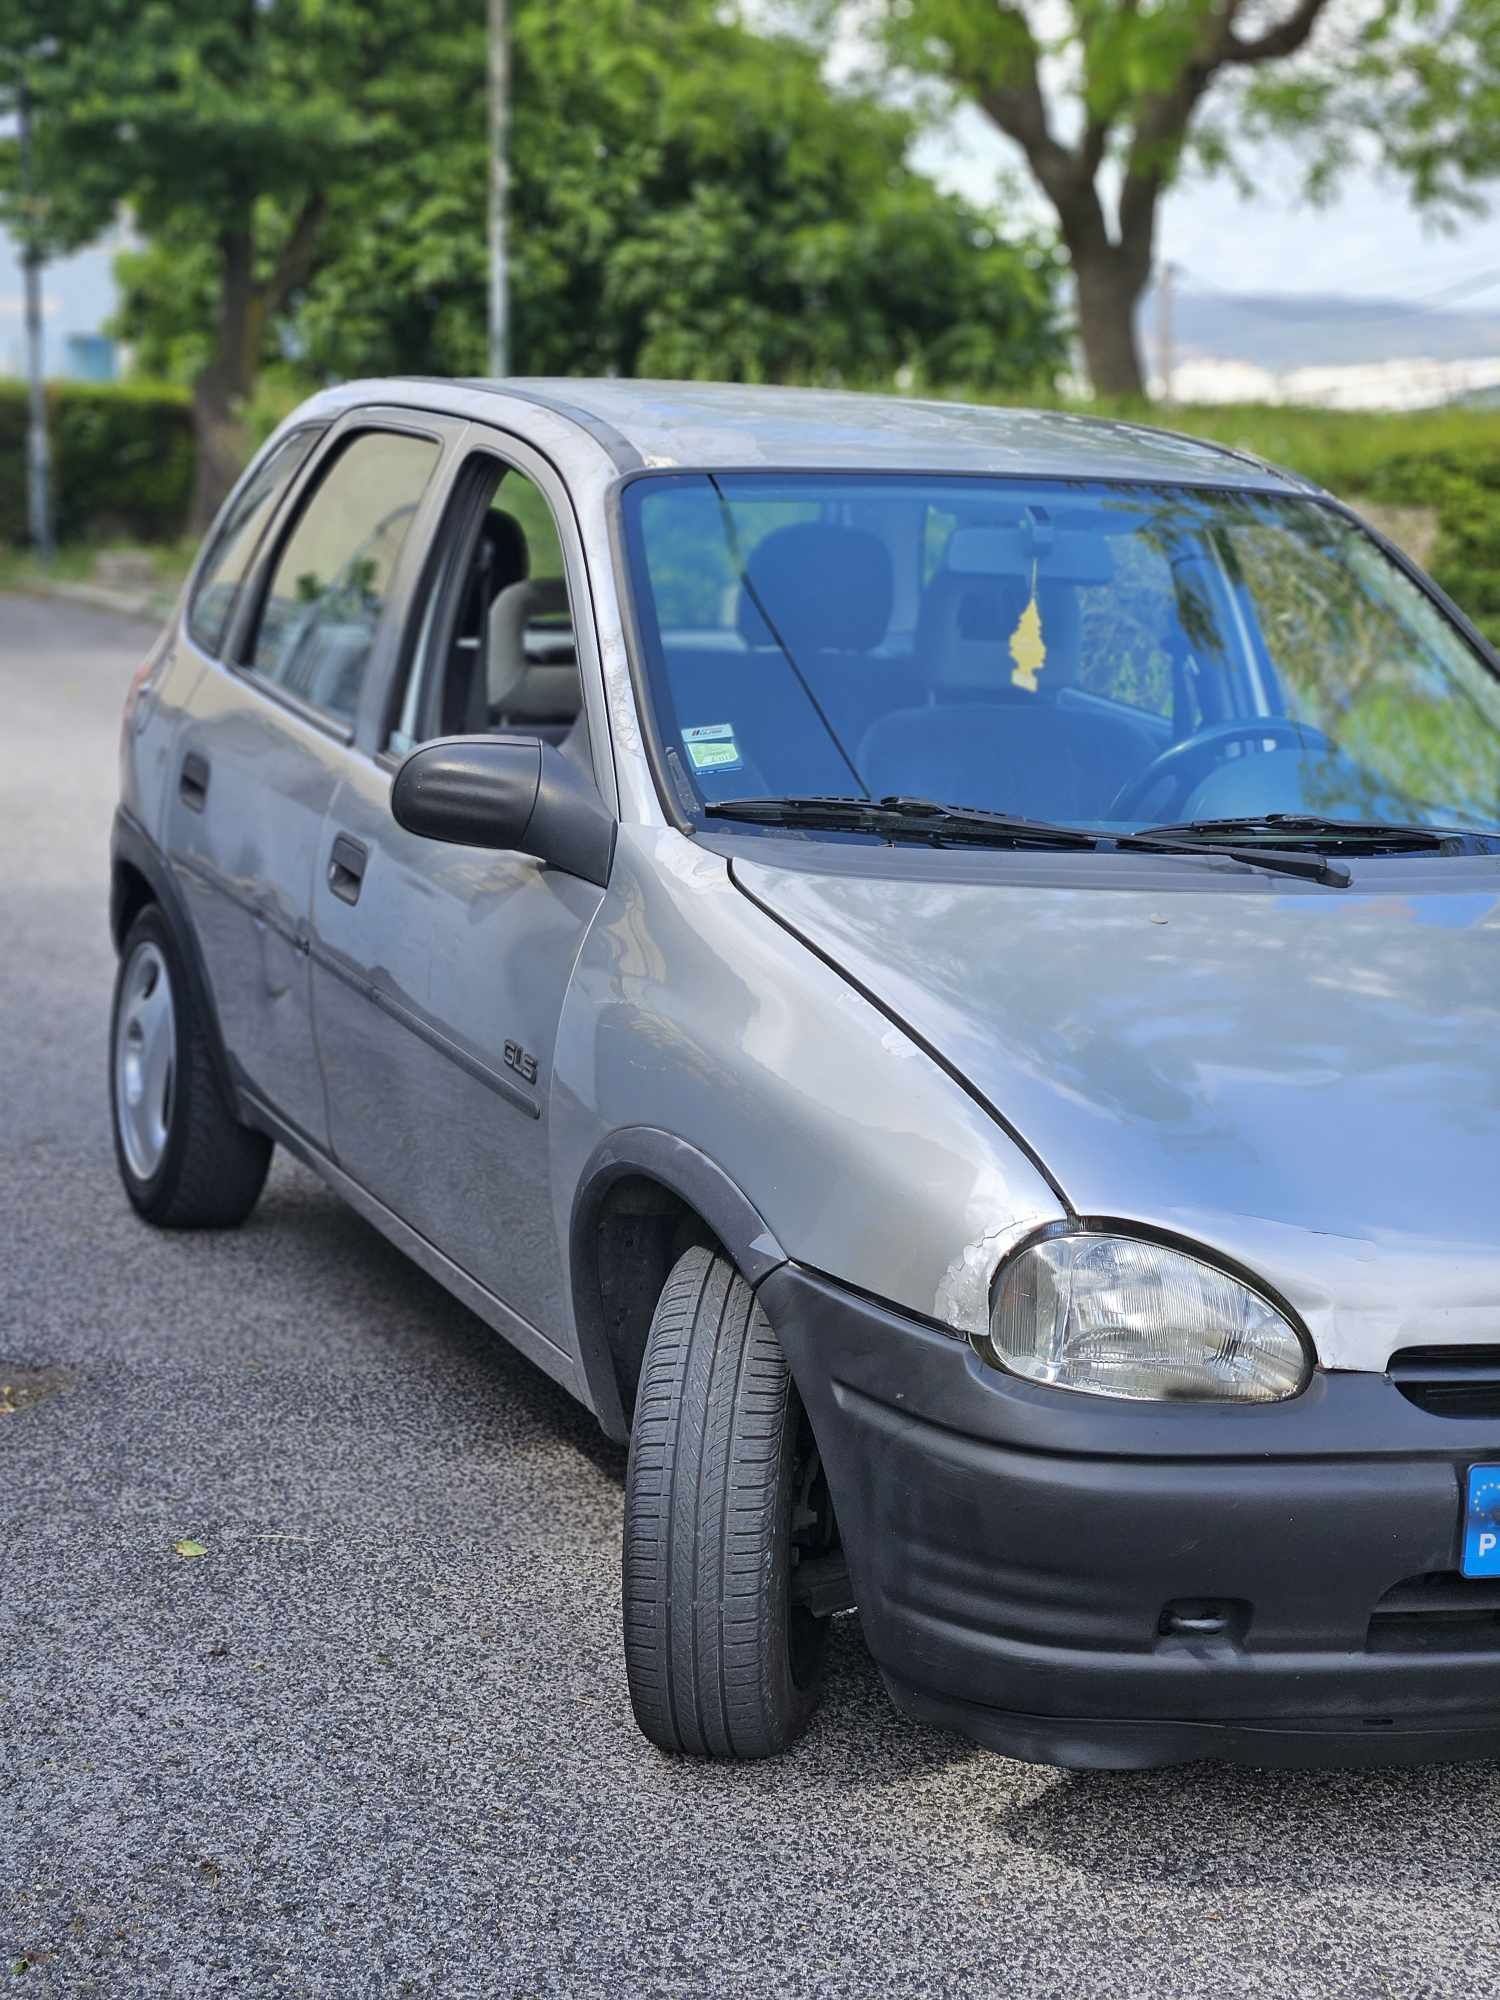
column 514, row 793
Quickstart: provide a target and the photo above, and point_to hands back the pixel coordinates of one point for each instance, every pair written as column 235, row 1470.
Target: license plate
column 1482, row 1522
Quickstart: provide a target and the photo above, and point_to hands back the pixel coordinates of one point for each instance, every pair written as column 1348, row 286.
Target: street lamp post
column 38, row 470
column 499, row 62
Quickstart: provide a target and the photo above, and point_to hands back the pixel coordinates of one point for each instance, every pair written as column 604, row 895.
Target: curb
column 154, row 606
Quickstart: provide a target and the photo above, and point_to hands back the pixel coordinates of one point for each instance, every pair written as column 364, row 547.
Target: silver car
column 939, row 968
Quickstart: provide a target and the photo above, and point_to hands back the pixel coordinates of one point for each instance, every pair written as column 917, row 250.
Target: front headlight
column 1118, row 1316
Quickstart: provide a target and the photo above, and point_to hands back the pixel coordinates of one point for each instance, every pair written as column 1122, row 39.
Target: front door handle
column 192, row 781
column 346, row 867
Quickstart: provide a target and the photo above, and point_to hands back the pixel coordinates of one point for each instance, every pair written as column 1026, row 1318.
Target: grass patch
column 133, row 569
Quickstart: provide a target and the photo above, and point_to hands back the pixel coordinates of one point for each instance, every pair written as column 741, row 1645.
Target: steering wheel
column 1191, row 759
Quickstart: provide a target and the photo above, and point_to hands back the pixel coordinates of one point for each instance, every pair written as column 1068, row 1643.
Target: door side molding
column 527, row 1339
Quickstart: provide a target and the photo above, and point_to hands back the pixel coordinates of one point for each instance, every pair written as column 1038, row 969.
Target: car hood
column 1306, row 1082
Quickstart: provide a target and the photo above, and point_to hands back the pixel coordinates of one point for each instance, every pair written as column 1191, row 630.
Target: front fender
column 692, row 1013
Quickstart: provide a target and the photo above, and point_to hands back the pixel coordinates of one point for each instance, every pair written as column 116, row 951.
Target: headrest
column 517, row 688
column 965, row 626
column 503, row 540
column 825, row 588
column 967, row 623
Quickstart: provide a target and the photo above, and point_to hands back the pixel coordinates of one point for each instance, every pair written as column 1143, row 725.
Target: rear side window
column 232, row 550
column 328, row 591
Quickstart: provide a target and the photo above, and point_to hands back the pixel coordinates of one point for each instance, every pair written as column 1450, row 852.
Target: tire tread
column 707, row 1522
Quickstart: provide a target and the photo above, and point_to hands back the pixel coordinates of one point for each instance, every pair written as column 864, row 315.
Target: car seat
column 523, row 692
column 981, row 740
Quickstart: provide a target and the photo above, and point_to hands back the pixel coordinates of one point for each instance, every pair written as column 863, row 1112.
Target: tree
column 688, row 198
column 1106, row 100
column 231, row 128
column 23, row 47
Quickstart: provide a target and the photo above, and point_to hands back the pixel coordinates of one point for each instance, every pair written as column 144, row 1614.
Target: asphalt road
column 376, row 1741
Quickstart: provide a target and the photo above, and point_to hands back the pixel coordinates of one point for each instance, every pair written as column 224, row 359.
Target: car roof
column 730, row 424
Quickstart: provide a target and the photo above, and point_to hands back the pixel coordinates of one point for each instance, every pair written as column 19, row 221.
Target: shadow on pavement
column 1265, row 1829
column 857, row 1733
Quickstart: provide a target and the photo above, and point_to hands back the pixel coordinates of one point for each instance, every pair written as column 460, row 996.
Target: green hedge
column 122, row 458
column 1446, row 462
column 1463, row 488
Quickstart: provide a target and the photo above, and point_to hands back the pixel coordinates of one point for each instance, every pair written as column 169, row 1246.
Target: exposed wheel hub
column 145, row 1060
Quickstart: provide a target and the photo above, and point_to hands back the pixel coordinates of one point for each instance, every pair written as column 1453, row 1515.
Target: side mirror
column 514, row 793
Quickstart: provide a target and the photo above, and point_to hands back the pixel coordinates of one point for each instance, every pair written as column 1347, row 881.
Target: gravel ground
column 376, row 1740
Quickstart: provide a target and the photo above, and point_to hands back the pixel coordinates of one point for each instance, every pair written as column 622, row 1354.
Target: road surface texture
column 376, row 1741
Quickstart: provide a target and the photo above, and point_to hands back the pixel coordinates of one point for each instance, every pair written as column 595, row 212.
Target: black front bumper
column 1028, row 1562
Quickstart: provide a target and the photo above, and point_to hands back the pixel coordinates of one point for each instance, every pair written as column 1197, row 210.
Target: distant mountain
column 1308, row 330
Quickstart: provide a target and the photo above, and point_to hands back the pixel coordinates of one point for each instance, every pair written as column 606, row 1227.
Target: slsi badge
column 524, row 1065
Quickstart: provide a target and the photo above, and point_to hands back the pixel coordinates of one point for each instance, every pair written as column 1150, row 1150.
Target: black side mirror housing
column 513, row 793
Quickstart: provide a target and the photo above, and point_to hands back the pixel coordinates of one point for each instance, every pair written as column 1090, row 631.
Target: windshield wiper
column 1276, row 861
column 898, row 818
column 1313, row 829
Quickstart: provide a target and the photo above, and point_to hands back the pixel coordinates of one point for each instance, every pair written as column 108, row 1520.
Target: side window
column 238, row 537
column 329, row 587
column 495, row 648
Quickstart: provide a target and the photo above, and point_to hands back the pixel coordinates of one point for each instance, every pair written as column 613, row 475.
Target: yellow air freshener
column 1027, row 647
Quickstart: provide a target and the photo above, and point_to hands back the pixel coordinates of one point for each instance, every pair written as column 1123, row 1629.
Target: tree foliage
column 231, row 128
column 309, row 178
column 688, row 199
column 1108, row 99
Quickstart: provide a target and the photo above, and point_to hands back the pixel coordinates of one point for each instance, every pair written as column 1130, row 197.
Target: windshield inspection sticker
column 711, row 747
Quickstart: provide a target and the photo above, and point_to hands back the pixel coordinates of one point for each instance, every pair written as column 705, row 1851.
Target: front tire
column 720, row 1661
column 185, row 1159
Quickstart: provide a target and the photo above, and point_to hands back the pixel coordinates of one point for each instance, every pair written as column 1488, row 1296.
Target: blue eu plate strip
column 1482, row 1522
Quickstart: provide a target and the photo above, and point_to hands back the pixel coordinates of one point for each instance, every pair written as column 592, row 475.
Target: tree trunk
column 1109, row 288
column 220, row 443
column 224, row 384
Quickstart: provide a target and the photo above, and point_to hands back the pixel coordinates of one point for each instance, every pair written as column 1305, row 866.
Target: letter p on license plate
column 1482, row 1522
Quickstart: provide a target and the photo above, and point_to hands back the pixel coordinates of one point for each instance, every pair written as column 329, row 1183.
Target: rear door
column 438, row 971
column 259, row 758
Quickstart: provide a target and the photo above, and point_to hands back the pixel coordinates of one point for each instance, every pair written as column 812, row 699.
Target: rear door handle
column 192, row 781
column 346, row 867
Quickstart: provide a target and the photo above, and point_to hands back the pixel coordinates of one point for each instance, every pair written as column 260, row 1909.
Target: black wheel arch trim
column 132, row 847
column 647, row 1151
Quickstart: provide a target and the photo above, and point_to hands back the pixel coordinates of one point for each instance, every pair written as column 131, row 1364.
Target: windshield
column 1110, row 655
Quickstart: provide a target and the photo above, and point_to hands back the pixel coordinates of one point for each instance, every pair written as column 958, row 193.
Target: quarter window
column 233, row 547
column 328, row 592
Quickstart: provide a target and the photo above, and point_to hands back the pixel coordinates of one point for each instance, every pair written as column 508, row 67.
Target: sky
column 1370, row 243
column 77, row 295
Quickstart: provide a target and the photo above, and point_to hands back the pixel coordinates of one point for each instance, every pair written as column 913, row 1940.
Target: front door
column 439, row 972
column 258, row 763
